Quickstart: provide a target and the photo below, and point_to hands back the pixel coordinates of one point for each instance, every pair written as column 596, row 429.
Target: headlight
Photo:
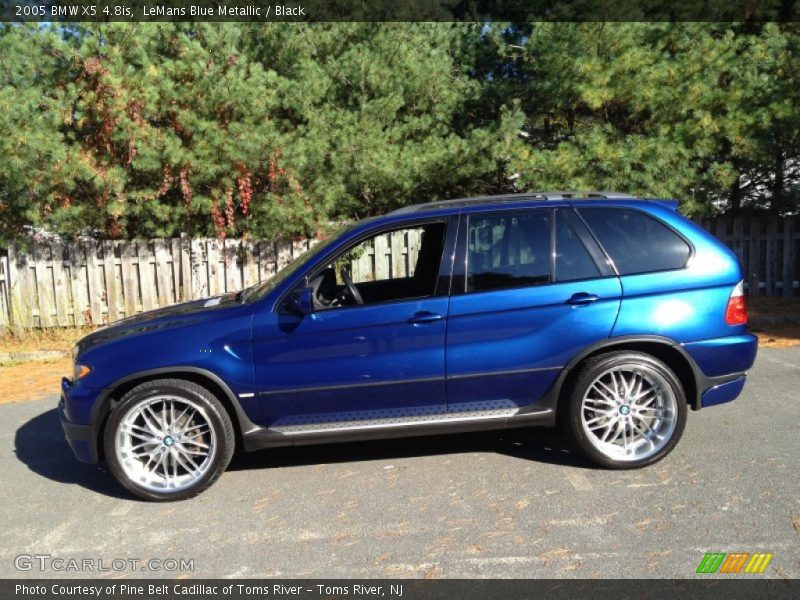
column 81, row 371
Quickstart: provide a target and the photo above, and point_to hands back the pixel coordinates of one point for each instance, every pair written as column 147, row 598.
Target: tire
column 168, row 439
column 625, row 410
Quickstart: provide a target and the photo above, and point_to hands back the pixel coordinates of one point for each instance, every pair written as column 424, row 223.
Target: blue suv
column 605, row 314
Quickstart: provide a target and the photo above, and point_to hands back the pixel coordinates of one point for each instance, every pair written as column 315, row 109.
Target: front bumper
column 82, row 439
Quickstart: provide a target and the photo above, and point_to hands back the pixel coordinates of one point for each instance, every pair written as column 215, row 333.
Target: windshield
column 259, row 290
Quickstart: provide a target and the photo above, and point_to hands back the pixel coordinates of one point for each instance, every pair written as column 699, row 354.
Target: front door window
column 400, row 264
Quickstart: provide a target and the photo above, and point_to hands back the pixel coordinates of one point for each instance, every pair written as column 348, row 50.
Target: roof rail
column 563, row 195
column 517, row 197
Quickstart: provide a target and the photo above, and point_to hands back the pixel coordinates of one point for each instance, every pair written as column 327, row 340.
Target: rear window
column 636, row 242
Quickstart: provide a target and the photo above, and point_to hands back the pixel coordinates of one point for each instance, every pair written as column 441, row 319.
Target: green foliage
column 706, row 113
column 120, row 130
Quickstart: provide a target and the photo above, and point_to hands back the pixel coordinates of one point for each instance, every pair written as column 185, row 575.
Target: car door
column 370, row 364
column 529, row 292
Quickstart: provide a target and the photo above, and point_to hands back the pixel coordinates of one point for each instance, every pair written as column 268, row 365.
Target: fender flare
column 100, row 410
column 701, row 381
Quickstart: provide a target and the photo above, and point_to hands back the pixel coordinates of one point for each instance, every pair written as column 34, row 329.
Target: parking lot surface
column 501, row 504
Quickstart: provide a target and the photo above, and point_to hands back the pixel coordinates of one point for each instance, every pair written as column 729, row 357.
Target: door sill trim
column 350, row 431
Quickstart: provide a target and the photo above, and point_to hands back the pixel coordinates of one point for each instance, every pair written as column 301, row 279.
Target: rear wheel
column 168, row 439
column 626, row 410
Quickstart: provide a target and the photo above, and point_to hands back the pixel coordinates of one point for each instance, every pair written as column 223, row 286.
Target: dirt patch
column 777, row 335
column 32, row 380
column 776, row 321
column 773, row 307
column 772, row 340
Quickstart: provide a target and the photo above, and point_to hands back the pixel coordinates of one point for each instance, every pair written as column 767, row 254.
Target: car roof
column 524, row 198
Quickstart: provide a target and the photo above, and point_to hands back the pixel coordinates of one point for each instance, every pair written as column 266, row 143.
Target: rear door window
column 636, row 242
column 573, row 261
column 507, row 250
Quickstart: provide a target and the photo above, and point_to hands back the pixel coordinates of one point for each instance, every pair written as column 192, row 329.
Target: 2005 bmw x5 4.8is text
column 606, row 314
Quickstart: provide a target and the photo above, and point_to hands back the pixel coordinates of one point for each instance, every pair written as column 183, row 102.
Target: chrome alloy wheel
column 165, row 443
column 629, row 412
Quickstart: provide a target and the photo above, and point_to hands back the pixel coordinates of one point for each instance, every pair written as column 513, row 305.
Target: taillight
column 736, row 311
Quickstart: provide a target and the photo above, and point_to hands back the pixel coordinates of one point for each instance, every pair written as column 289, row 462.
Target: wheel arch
column 212, row 382
column 665, row 349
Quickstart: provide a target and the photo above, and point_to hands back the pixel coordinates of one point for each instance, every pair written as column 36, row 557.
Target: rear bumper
column 724, row 392
column 724, row 356
column 721, row 366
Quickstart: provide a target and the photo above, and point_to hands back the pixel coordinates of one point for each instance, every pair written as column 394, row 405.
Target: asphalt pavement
column 502, row 504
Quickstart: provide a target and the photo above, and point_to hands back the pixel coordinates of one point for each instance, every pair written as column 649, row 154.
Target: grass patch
column 31, row 340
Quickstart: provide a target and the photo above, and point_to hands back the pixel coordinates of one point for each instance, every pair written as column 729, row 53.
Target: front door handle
column 424, row 316
column 583, row 298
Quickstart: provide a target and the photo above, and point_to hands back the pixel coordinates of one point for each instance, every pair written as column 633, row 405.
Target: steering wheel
column 351, row 288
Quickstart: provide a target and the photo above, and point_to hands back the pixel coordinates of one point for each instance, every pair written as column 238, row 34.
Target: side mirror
column 301, row 303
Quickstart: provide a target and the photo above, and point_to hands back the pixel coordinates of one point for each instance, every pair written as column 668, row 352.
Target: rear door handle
column 424, row 316
column 583, row 298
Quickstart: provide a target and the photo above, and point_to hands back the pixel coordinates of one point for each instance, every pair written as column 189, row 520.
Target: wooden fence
column 768, row 249
column 81, row 283
column 56, row 284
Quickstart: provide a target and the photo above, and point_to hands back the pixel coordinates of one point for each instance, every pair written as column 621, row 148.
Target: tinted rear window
column 508, row 250
column 573, row 261
column 636, row 242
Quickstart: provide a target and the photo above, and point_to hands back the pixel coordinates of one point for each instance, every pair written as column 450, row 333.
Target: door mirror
column 301, row 302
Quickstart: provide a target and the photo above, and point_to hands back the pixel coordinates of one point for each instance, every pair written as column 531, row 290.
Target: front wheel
column 168, row 439
column 626, row 410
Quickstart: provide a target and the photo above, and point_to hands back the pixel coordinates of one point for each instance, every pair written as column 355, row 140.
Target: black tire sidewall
column 218, row 419
column 587, row 374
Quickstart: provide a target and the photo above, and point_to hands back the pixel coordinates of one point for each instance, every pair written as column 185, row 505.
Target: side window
column 394, row 265
column 573, row 261
column 508, row 250
column 391, row 255
column 636, row 242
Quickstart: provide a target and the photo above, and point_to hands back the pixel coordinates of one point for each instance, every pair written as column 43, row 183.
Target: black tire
column 572, row 419
column 214, row 414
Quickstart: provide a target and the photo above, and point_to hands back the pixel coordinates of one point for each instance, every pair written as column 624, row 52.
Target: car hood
column 160, row 318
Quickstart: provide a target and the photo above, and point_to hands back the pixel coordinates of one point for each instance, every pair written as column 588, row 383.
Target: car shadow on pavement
column 534, row 444
column 40, row 445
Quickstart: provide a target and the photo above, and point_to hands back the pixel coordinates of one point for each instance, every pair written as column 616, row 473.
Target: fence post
column 186, row 269
column 754, row 268
column 5, row 312
column 97, row 290
column 147, row 276
column 44, row 287
column 163, row 273
column 113, row 290
column 771, row 259
column 789, row 257
column 65, row 304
